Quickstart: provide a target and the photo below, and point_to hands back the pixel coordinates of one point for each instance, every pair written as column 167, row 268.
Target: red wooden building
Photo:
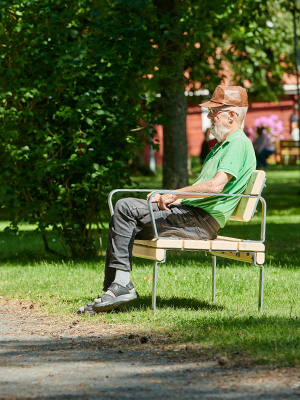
column 197, row 121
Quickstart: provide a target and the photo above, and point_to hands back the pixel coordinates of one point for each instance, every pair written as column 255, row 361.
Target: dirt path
column 47, row 357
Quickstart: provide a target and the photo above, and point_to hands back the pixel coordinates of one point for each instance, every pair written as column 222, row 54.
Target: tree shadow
column 110, row 365
column 27, row 247
column 176, row 303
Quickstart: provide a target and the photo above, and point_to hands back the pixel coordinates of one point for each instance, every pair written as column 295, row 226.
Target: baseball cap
column 235, row 96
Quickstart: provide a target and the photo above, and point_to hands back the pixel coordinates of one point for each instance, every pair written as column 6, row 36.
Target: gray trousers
column 131, row 220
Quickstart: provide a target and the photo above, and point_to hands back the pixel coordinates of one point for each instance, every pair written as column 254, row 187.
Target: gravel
column 54, row 357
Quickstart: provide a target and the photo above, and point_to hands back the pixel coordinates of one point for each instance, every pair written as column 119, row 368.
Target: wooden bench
column 289, row 149
column 252, row 251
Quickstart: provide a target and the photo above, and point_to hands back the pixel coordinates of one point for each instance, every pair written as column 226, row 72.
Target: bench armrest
column 164, row 191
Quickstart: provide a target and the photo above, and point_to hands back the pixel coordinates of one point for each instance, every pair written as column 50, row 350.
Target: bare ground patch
column 51, row 356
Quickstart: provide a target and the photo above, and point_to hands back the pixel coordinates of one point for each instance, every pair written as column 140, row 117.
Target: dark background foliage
column 79, row 83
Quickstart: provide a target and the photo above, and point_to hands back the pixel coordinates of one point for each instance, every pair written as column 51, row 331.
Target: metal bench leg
column 261, row 288
column 154, row 287
column 214, row 264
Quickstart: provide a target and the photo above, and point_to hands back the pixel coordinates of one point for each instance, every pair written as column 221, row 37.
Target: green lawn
column 232, row 325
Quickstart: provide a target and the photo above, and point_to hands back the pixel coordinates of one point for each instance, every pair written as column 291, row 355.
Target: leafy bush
column 70, row 112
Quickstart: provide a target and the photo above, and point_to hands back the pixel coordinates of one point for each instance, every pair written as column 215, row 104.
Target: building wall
column 196, row 124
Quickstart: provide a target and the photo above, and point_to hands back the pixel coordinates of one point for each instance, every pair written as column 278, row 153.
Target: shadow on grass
column 145, row 302
column 27, row 258
column 263, row 337
column 27, row 247
column 177, row 303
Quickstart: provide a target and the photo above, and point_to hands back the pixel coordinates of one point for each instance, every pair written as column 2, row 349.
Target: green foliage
column 253, row 39
column 72, row 78
column 70, row 112
column 260, row 49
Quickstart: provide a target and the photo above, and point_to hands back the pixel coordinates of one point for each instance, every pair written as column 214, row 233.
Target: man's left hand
column 165, row 200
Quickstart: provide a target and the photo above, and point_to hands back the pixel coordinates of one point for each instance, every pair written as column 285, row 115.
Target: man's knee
column 123, row 206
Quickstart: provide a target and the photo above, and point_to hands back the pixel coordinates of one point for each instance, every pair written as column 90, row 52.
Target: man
column 226, row 169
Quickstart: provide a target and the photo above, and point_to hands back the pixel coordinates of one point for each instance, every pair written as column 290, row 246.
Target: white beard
column 219, row 133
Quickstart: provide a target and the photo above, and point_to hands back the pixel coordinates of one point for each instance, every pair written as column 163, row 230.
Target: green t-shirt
column 235, row 156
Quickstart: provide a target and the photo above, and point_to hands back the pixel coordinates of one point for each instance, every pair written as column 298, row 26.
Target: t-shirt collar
column 228, row 140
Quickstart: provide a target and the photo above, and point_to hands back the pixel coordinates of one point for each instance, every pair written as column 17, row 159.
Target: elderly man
column 226, row 169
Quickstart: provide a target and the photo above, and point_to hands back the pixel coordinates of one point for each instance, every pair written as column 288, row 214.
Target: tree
column 69, row 114
column 206, row 39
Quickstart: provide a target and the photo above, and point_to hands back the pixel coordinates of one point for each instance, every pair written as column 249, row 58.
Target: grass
column 231, row 325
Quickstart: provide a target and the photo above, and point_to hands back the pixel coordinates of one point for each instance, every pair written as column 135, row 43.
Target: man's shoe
column 117, row 296
column 129, row 286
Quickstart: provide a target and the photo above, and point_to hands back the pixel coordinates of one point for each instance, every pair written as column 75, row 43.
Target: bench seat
column 154, row 249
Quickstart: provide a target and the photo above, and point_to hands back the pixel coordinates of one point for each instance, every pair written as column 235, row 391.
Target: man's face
column 219, row 122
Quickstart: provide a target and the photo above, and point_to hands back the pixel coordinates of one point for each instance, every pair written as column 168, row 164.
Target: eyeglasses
column 215, row 112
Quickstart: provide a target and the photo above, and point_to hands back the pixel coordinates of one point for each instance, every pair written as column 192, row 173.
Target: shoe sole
column 117, row 302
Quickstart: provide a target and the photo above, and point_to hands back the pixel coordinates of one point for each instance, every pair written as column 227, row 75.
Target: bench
column 250, row 251
column 289, row 149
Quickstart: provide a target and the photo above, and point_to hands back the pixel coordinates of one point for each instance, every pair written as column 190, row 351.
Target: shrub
column 70, row 111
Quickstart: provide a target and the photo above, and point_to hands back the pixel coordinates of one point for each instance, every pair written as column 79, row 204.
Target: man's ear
column 231, row 116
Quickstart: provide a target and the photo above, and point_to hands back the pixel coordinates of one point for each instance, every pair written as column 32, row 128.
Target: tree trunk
column 174, row 106
column 173, row 101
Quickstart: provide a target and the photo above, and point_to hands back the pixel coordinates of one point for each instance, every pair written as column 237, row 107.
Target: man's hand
column 155, row 198
column 165, row 200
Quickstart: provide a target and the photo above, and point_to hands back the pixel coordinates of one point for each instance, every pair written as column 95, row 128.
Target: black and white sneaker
column 116, row 296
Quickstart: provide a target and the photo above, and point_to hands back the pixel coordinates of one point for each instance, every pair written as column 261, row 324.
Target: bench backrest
column 289, row 143
column 247, row 205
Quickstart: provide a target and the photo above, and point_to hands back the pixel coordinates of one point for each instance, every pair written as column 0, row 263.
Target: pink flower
column 271, row 125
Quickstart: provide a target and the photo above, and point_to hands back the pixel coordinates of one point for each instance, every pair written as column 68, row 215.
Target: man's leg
column 131, row 219
column 118, row 259
column 123, row 227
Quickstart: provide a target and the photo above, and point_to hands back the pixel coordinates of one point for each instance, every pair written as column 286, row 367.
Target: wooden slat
column 197, row 244
column 161, row 243
column 250, row 246
column 148, row 252
column 244, row 245
column 231, row 239
column 246, row 206
column 245, row 257
column 289, row 144
column 223, row 245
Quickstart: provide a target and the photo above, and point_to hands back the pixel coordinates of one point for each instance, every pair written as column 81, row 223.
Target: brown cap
column 235, row 96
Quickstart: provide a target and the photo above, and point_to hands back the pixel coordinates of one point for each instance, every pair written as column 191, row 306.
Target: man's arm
column 214, row 185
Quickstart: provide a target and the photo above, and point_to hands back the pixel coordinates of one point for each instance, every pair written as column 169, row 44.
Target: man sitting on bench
column 227, row 169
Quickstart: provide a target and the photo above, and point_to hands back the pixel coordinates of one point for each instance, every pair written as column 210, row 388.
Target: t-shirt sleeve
column 233, row 158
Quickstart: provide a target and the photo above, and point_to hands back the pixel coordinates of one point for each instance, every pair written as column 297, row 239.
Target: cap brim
column 211, row 104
